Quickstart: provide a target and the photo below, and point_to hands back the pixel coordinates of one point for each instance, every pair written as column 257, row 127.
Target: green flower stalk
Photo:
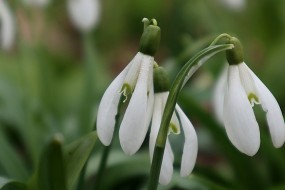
column 161, row 89
column 183, row 76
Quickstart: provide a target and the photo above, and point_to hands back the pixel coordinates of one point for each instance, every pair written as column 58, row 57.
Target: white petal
column 134, row 125
column 150, row 100
column 190, row 148
column 167, row 165
column 274, row 116
column 156, row 120
column 133, row 73
column 159, row 104
column 7, row 27
column 239, row 119
column 108, row 108
column 84, row 14
column 168, row 157
column 248, row 83
column 219, row 94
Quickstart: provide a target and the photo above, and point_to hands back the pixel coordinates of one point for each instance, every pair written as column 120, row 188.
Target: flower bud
column 150, row 39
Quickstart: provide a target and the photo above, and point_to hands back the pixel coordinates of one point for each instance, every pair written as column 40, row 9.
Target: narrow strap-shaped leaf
column 183, row 76
column 14, row 186
column 3, row 181
column 11, row 161
column 50, row 174
column 76, row 155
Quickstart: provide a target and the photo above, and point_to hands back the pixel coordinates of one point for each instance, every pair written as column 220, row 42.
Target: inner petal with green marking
column 253, row 99
column 126, row 90
column 173, row 128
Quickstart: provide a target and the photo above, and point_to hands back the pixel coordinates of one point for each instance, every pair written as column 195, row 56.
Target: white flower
column 135, row 79
column 237, row 5
column 242, row 90
column 190, row 146
column 84, row 14
column 7, row 27
column 36, row 3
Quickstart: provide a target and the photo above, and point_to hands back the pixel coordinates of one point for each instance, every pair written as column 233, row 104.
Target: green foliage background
column 52, row 80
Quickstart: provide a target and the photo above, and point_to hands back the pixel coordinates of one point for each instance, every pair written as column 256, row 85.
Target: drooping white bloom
column 242, row 90
column 7, row 27
column 135, row 79
column 190, row 145
column 36, row 3
column 84, row 14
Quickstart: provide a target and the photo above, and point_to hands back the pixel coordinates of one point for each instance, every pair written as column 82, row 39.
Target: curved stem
column 185, row 73
column 221, row 36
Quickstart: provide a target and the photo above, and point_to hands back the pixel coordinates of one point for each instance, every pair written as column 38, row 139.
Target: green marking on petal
column 253, row 99
column 174, row 129
column 126, row 90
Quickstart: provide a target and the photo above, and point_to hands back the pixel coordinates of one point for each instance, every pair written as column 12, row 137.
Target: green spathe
column 150, row 39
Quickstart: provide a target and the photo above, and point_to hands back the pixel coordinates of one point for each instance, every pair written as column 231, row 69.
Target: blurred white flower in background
column 84, row 14
column 36, row 3
column 236, row 5
column 7, row 27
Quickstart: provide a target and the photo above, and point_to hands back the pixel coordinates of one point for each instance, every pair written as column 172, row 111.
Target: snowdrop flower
column 7, row 27
column 84, row 14
column 135, row 85
column 36, row 3
column 239, row 89
column 161, row 87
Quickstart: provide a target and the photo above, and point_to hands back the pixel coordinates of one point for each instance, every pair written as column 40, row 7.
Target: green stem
column 221, row 36
column 184, row 74
column 88, row 99
column 80, row 184
column 102, row 167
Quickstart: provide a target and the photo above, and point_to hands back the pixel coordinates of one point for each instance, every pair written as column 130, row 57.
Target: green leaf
column 3, row 181
column 11, row 161
column 50, row 174
column 76, row 155
column 14, row 186
column 129, row 171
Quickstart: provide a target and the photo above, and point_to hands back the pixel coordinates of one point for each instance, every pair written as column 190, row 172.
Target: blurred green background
column 52, row 80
